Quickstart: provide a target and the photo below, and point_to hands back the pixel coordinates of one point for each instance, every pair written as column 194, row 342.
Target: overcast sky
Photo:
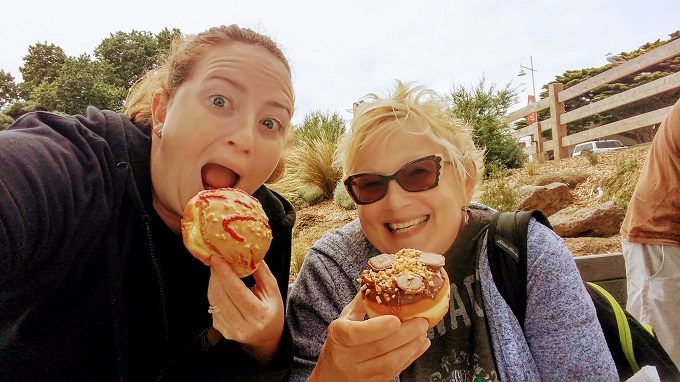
column 341, row 50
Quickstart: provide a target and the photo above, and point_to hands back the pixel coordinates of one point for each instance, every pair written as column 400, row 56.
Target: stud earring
column 466, row 211
column 158, row 131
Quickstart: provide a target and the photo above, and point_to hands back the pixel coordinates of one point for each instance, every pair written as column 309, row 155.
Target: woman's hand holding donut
column 252, row 317
column 377, row 349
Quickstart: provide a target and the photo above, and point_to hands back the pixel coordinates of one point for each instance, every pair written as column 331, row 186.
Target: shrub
column 483, row 107
column 620, row 186
column 532, row 168
column 341, row 197
column 498, row 194
column 592, row 157
column 309, row 161
column 540, row 157
column 495, row 170
column 311, row 195
column 317, row 125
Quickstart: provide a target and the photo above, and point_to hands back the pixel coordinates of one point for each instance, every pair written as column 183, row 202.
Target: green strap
column 622, row 323
column 648, row 327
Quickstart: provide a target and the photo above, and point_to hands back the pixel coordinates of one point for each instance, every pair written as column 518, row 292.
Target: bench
column 606, row 270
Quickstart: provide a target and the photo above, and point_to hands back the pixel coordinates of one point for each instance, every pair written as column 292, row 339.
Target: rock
column 603, row 220
column 549, row 198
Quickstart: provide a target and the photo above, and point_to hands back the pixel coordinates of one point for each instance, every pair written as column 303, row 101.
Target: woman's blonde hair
column 376, row 118
column 175, row 67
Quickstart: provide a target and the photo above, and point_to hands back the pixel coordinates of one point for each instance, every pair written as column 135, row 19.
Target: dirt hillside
column 591, row 180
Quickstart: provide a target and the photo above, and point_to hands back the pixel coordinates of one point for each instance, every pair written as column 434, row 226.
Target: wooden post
column 538, row 138
column 558, row 130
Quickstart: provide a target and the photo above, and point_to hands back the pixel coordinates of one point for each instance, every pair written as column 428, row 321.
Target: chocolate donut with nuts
column 407, row 284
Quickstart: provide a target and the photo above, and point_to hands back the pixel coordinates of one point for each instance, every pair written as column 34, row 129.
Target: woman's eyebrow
column 239, row 86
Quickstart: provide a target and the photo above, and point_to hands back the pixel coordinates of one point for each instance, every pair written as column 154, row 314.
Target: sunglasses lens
column 419, row 176
column 368, row 188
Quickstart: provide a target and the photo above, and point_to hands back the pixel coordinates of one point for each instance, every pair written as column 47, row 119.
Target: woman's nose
column 396, row 196
column 242, row 137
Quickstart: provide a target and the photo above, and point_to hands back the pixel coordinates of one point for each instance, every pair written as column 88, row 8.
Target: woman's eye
column 271, row 124
column 218, row 100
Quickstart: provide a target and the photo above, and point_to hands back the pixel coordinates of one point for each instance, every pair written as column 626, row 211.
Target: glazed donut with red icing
column 407, row 284
column 227, row 222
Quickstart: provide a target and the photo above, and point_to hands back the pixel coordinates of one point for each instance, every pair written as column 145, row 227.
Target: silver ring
column 214, row 309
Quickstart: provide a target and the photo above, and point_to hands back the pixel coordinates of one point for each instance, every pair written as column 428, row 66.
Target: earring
column 158, row 131
column 466, row 211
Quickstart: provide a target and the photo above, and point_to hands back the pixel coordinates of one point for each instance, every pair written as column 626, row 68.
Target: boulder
column 549, row 198
column 603, row 220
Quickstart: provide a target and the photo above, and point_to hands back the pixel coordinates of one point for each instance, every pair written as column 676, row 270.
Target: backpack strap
column 507, row 254
column 622, row 324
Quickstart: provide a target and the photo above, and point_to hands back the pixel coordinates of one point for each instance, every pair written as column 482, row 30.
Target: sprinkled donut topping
column 405, row 277
column 380, row 262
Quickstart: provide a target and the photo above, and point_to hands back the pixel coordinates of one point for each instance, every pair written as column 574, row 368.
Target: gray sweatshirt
column 562, row 341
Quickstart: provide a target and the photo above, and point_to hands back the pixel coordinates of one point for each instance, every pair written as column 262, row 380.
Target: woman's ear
column 159, row 108
column 278, row 172
column 470, row 182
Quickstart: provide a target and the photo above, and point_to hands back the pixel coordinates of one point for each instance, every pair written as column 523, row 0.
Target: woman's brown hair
column 176, row 66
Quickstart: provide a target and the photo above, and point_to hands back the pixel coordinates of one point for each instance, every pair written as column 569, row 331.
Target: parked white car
column 598, row 147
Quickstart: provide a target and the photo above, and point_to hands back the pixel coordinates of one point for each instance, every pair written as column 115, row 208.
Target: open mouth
column 408, row 225
column 216, row 176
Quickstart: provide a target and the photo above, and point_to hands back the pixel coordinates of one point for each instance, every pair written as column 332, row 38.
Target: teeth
column 406, row 225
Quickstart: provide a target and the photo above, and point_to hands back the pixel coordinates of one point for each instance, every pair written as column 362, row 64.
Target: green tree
column 9, row 91
column 130, row 54
column 482, row 107
column 19, row 108
column 81, row 82
column 42, row 64
column 5, row 121
column 165, row 38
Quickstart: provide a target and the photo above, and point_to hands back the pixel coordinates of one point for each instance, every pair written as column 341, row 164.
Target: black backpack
column 631, row 344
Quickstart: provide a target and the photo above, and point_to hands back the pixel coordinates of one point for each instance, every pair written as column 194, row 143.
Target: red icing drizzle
column 244, row 204
column 231, row 232
column 204, row 196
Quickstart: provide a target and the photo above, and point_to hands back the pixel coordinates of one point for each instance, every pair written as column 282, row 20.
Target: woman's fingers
column 355, row 310
column 232, row 286
column 246, row 316
column 389, row 364
column 377, row 350
column 409, row 331
column 266, row 286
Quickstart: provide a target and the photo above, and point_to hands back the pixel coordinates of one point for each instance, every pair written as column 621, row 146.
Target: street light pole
column 532, row 118
column 532, row 70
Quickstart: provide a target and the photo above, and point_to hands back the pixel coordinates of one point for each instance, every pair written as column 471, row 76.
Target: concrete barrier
column 606, row 270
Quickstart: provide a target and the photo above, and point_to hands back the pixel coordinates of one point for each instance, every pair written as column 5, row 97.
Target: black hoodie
column 93, row 285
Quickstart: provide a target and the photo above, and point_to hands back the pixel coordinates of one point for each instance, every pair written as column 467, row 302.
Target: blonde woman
column 412, row 170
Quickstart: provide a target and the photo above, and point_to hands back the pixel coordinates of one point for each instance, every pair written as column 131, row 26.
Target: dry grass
column 533, row 168
column 311, row 224
column 309, row 171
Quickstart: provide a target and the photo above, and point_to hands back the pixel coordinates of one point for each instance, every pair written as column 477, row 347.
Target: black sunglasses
column 415, row 176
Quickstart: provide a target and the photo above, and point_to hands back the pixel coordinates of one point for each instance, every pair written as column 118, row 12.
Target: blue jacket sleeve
column 561, row 325
column 321, row 291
